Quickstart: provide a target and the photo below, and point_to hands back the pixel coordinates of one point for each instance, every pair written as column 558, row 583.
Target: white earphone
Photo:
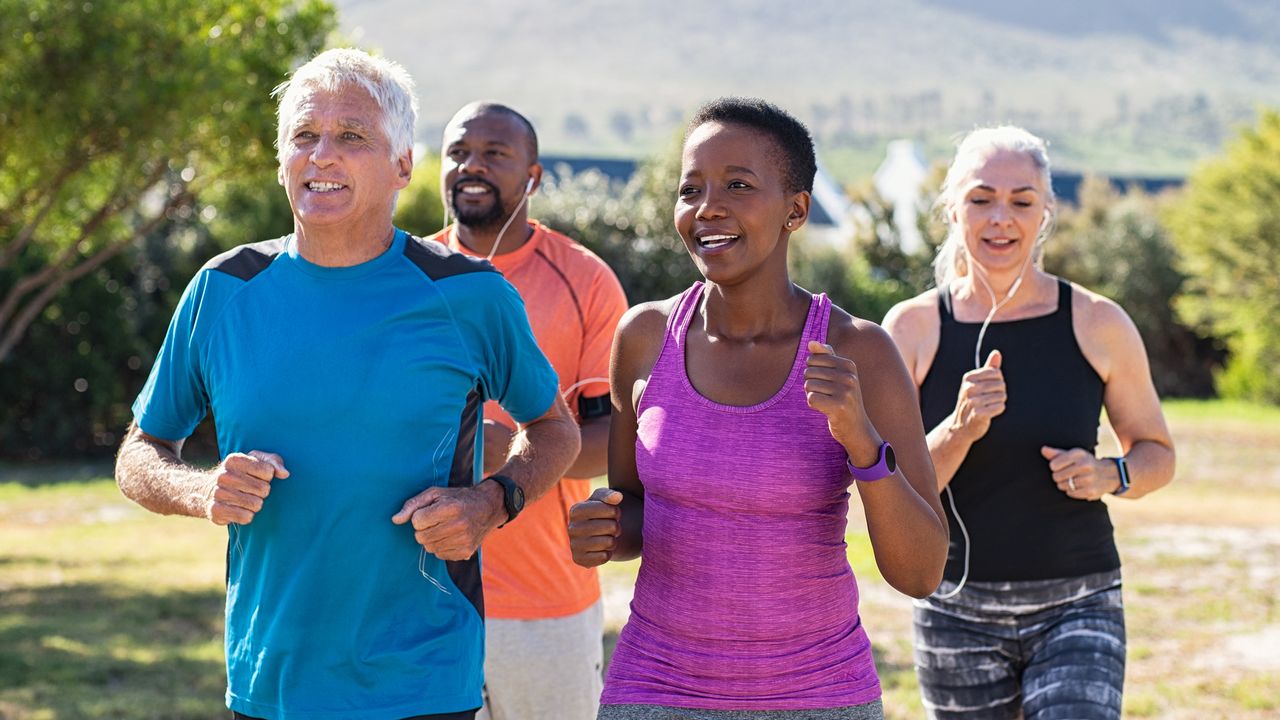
column 528, row 188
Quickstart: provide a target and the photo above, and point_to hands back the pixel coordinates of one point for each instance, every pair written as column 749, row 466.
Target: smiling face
column 1001, row 210
column 486, row 165
column 336, row 165
column 732, row 209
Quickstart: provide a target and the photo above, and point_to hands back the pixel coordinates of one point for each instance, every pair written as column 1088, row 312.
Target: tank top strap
column 944, row 304
column 1063, row 314
column 678, row 323
column 815, row 326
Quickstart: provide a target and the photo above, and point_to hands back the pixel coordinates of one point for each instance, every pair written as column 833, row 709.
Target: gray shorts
column 868, row 711
column 1040, row 650
column 544, row 669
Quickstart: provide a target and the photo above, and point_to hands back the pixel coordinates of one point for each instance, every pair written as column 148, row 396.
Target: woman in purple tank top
column 744, row 409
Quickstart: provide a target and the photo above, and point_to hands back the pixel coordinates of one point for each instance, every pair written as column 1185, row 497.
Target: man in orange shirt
column 544, row 622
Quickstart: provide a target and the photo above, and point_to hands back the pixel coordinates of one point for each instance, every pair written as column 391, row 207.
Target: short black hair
column 494, row 107
column 789, row 134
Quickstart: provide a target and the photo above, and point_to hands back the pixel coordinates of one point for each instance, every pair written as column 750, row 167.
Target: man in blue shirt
column 346, row 365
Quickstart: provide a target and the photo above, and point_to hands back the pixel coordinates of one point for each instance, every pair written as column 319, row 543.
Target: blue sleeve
column 512, row 368
column 174, row 400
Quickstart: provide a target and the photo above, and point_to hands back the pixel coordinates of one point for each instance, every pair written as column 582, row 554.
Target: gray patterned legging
column 1040, row 650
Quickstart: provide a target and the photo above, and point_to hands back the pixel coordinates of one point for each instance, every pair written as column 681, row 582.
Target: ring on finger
column 1071, row 483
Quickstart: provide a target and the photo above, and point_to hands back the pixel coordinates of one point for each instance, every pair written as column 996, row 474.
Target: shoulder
column 913, row 318
column 437, row 261
column 571, row 256
column 648, row 318
column 916, row 328
column 245, row 262
column 858, row 339
column 1098, row 317
column 1103, row 330
column 642, row 332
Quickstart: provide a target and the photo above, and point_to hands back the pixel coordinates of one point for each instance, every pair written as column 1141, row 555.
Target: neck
column 343, row 246
column 481, row 240
column 765, row 307
column 970, row 287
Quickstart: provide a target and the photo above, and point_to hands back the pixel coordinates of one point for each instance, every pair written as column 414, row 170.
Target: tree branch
column 117, row 201
column 15, row 331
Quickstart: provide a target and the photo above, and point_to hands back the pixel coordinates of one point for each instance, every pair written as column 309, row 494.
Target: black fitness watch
column 512, row 496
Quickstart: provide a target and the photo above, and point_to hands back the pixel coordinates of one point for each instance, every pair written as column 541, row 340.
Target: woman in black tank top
column 1013, row 368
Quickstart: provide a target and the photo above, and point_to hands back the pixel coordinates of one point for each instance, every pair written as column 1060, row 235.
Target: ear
column 280, row 175
column 404, row 169
column 798, row 213
column 535, row 176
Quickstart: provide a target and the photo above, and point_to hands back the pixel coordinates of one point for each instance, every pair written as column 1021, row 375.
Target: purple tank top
column 745, row 599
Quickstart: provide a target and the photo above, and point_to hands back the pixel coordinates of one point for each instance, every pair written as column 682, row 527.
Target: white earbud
column 528, row 187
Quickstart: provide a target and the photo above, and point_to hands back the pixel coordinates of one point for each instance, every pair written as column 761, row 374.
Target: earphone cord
column 977, row 363
column 498, row 241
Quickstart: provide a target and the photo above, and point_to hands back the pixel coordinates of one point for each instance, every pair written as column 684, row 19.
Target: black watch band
column 512, row 496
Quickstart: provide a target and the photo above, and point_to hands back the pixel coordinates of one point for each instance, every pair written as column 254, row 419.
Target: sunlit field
column 107, row 611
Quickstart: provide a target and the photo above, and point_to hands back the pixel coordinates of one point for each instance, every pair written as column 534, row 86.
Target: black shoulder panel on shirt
column 246, row 261
column 437, row 261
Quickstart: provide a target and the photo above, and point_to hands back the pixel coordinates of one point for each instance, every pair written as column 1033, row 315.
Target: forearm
column 908, row 537
column 630, row 540
column 1150, row 464
column 593, row 457
column 541, row 452
column 154, row 476
column 948, row 449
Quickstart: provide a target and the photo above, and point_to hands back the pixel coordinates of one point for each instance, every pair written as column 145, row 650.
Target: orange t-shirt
column 574, row 302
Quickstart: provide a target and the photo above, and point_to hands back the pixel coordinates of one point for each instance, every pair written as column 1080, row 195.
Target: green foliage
column 1227, row 231
column 878, row 241
column 134, row 134
column 629, row 225
column 845, row 276
column 1115, row 245
column 420, row 209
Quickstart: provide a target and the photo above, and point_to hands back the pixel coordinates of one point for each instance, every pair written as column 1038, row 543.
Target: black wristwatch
column 512, row 496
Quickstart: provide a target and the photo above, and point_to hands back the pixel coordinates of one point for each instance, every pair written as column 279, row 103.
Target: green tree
column 1115, row 244
column 630, row 225
column 115, row 116
column 1227, row 230
column 135, row 143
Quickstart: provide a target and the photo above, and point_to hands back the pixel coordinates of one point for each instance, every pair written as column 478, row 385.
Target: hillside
column 1136, row 86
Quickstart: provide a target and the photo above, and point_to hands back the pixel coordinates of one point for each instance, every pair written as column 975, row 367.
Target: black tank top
column 1021, row 527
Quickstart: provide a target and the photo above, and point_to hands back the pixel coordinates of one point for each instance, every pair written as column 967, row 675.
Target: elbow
column 917, row 588
column 918, row 585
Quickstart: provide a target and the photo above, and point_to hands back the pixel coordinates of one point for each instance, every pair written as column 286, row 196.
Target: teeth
column 474, row 190
column 715, row 241
column 323, row 186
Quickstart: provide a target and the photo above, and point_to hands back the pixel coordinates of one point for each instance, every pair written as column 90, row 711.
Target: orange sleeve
column 603, row 308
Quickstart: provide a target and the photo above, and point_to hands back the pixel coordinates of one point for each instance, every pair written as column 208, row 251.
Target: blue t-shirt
column 368, row 381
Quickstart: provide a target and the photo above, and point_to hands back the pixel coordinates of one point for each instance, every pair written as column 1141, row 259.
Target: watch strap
column 885, row 466
column 510, row 493
column 1122, row 467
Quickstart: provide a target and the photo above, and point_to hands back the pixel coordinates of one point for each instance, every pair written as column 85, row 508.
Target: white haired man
column 346, row 365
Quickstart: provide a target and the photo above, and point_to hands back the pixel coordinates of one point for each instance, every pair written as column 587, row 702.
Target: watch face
column 517, row 498
column 890, row 460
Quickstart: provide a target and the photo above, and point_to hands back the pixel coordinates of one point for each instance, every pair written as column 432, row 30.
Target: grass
column 107, row 611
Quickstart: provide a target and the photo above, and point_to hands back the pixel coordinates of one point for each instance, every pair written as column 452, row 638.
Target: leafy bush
column 1226, row 228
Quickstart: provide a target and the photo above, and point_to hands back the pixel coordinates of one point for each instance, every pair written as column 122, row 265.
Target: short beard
column 476, row 219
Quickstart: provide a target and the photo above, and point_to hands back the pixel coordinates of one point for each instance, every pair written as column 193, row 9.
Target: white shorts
column 544, row 669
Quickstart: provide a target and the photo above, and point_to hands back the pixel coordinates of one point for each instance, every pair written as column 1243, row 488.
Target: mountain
column 1132, row 86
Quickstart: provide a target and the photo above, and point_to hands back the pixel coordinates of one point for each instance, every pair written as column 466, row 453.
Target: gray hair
column 973, row 149
column 385, row 80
